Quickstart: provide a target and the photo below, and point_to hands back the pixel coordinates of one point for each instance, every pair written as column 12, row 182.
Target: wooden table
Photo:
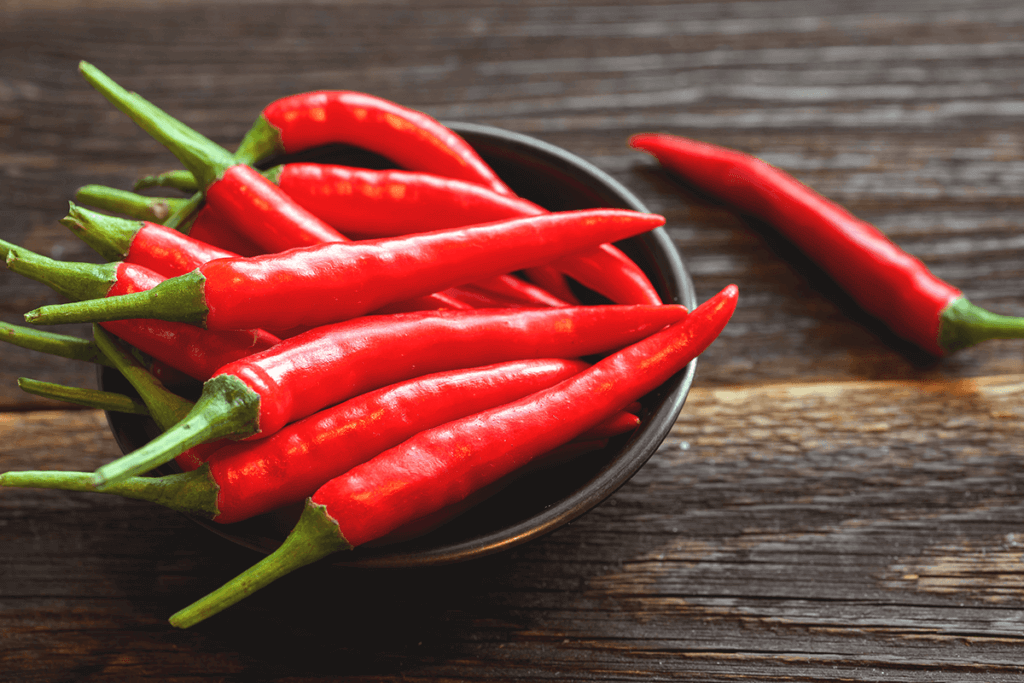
column 831, row 505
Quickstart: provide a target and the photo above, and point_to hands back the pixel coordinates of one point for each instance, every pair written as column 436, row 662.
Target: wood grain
column 831, row 504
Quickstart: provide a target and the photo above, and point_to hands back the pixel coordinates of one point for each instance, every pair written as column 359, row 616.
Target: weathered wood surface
column 830, row 506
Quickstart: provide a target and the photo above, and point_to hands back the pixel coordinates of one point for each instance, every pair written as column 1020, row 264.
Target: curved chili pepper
column 248, row 478
column 196, row 352
column 410, row 138
column 440, row 467
column 258, row 395
column 884, row 280
column 335, row 281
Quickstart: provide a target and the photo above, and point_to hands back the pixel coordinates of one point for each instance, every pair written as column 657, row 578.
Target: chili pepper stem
column 962, row 324
column 192, row 492
column 262, row 140
column 164, row 406
column 315, row 536
column 206, row 159
column 90, row 398
column 226, row 408
column 137, row 206
column 178, row 299
column 70, row 279
column 63, row 345
column 178, row 179
column 181, row 219
column 108, row 236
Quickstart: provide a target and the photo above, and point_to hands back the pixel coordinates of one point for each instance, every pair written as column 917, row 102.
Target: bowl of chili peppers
column 543, row 499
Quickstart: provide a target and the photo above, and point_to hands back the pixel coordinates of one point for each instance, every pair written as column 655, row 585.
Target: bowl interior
column 541, row 501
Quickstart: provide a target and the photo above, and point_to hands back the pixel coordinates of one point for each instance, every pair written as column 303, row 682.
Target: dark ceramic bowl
column 542, row 501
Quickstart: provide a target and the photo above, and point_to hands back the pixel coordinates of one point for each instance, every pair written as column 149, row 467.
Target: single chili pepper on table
column 439, row 467
column 884, row 280
column 196, row 352
column 257, row 396
column 245, row 479
column 336, row 281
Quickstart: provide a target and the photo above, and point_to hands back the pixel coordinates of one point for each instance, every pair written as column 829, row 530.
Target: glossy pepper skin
column 884, row 280
column 257, row 396
column 171, row 253
column 389, row 203
column 196, row 352
column 336, row 281
column 410, row 138
column 440, row 467
column 245, row 479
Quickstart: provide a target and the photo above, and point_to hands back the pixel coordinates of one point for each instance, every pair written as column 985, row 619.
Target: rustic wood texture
column 831, row 505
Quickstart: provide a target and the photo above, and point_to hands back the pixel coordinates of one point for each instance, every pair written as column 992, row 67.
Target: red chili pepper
column 245, row 479
column 410, row 138
column 206, row 226
column 190, row 349
column 887, row 282
column 374, row 204
column 442, row 466
column 170, row 253
column 258, row 395
column 252, row 204
column 336, row 281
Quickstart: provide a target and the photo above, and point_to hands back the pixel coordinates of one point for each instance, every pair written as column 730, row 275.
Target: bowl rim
column 627, row 462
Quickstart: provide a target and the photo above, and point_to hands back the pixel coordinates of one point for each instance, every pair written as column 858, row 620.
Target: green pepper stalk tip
column 192, row 492
column 90, row 398
column 315, row 536
column 203, row 157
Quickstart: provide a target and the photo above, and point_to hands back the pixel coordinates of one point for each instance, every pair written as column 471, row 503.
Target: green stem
column 226, row 408
column 261, row 141
column 192, row 492
column 182, row 218
column 178, row 299
column 54, row 344
column 962, row 324
column 90, row 398
column 72, row 280
column 315, row 536
column 177, row 179
column 166, row 407
column 137, row 206
column 109, row 236
column 203, row 157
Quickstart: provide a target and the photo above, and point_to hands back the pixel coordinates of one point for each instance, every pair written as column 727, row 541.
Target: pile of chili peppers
column 389, row 346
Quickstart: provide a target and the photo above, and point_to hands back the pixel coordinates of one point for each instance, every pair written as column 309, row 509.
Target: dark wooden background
column 831, row 505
